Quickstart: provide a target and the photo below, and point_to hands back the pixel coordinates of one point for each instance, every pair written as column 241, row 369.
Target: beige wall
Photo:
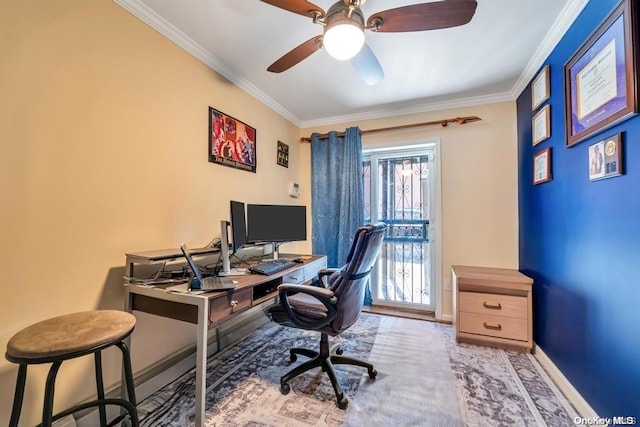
column 479, row 182
column 104, row 130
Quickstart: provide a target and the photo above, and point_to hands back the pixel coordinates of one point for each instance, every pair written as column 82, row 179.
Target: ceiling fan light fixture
column 343, row 40
column 344, row 31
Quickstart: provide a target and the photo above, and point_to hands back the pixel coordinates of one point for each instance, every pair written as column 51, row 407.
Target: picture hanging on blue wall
column 600, row 77
column 540, row 88
column 605, row 158
column 542, row 166
column 541, row 125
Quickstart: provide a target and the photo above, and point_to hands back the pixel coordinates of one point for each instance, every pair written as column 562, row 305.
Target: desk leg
column 201, row 361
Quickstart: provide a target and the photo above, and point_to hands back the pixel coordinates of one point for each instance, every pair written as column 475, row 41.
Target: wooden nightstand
column 493, row 307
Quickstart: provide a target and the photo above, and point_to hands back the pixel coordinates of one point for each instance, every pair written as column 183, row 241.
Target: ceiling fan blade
column 425, row 16
column 367, row 66
column 301, row 7
column 296, row 55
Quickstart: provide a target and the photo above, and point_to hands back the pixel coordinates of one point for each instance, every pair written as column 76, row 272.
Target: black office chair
column 330, row 309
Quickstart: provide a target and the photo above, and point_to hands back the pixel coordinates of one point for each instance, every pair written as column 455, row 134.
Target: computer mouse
column 298, row 260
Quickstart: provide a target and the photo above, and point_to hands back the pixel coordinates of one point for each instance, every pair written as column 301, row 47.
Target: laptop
column 211, row 283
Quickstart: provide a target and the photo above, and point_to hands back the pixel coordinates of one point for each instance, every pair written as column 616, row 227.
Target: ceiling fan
column 344, row 26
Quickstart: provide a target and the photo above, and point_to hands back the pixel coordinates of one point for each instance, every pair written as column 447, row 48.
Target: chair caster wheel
column 342, row 403
column 339, row 351
column 285, row 388
column 373, row 373
column 293, row 357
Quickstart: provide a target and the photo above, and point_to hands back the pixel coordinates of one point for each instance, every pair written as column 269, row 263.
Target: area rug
column 504, row 388
column 424, row 379
column 243, row 382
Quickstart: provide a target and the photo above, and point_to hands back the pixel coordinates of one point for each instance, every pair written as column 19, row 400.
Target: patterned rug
column 243, row 382
column 424, row 379
column 504, row 388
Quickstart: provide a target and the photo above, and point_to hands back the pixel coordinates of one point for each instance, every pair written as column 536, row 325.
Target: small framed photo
column 283, row 154
column 540, row 88
column 605, row 158
column 541, row 125
column 542, row 166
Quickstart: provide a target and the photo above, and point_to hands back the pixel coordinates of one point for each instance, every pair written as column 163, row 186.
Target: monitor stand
column 233, row 272
column 224, row 245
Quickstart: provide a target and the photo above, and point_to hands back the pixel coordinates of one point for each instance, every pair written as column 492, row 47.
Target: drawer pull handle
column 497, row 327
column 497, row 306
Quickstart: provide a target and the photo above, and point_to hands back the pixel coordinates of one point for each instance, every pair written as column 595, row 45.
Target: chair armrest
column 314, row 291
column 324, row 273
column 325, row 296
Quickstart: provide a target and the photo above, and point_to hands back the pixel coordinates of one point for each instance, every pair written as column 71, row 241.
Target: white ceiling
column 490, row 59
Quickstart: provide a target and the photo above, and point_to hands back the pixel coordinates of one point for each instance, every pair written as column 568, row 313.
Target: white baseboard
column 573, row 396
column 446, row 318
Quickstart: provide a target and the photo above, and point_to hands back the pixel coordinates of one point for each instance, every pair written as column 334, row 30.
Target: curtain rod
column 444, row 123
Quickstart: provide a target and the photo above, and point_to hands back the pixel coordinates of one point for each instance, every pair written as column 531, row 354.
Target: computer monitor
column 238, row 225
column 276, row 223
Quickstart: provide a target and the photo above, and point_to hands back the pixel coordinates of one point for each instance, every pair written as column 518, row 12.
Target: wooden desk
column 211, row 309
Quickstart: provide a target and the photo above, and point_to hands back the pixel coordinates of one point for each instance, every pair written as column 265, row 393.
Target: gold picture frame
column 541, row 125
column 540, row 88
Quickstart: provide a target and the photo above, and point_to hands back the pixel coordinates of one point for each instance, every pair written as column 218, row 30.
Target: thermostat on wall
column 294, row 189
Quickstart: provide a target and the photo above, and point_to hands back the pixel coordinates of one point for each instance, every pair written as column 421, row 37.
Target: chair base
column 324, row 359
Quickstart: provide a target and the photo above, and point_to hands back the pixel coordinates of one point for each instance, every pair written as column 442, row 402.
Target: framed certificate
column 541, row 125
column 600, row 77
column 540, row 89
column 542, row 166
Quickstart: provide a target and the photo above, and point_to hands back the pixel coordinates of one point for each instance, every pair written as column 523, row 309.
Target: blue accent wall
column 580, row 242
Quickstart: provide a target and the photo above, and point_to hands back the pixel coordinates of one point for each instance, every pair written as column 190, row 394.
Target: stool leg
column 100, row 387
column 128, row 373
column 17, row 397
column 47, row 410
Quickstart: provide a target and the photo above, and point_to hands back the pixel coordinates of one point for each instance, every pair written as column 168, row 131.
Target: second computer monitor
column 276, row 223
column 238, row 225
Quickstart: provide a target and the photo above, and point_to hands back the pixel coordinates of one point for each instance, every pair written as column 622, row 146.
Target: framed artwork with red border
column 231, row 142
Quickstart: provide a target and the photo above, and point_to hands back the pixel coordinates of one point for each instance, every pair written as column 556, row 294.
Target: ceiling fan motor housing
column 340, row 12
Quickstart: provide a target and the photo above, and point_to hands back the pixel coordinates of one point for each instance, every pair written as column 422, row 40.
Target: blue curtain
column 337, row 195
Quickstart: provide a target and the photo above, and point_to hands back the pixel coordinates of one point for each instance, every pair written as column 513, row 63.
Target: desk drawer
column 295, row 277
column 224, row 306
column 494, row 326
column 493, row 304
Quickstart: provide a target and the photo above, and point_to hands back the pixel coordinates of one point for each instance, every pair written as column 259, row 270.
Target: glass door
column 398, row 192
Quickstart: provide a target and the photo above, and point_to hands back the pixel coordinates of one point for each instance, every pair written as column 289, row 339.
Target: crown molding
column 559, row 28
column 158, row 23
column 413, row 109
column 567, row 16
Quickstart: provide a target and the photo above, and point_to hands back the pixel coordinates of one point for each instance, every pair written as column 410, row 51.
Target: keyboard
column 271, row 267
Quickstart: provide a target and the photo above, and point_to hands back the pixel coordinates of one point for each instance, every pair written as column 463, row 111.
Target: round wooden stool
column 66, row 337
